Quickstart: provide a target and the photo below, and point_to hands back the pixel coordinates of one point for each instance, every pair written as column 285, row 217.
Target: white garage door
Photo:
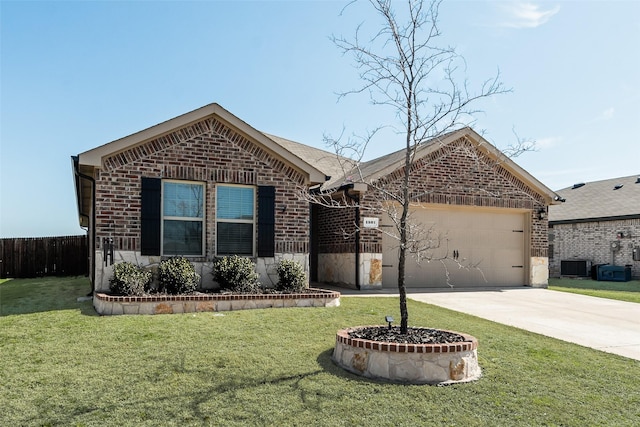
column 489, row 245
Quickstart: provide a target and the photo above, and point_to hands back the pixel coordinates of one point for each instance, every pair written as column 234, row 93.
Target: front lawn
column 64, row 365
column 623, row 291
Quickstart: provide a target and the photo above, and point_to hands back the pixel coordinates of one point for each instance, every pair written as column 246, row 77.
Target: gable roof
column 598, row 200
column 94, row 156
column 85, row 163
column 381, row 166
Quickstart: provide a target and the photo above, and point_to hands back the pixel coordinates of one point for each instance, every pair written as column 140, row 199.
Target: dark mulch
column 261, row 291
column 413, row 335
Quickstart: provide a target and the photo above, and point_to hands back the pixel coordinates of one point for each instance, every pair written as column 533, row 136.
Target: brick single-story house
column 206, row 184
column 599, row 223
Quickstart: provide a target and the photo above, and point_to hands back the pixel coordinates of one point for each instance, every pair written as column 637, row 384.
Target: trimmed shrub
column 291, row 276
column 236, row 274
column 129, row 279
column 177, row 276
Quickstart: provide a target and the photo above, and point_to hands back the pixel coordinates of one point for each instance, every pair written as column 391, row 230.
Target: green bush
column 291, row 276
column 236, row 274
column 129, row 279
column 177, row 276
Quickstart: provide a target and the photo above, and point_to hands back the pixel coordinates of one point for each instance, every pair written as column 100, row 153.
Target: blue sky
column 76, row 75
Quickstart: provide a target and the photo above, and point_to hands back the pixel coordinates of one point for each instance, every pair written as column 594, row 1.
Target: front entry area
column 482, row 246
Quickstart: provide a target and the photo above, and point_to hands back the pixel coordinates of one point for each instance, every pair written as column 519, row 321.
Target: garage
column 488, row 244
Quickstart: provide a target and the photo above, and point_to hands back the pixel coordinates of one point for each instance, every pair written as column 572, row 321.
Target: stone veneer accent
column 539, row 273
column 408, row 363
column 108, row 305
column 339, row 268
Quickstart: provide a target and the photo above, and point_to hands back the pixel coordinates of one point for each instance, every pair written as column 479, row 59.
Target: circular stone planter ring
column 408, row 363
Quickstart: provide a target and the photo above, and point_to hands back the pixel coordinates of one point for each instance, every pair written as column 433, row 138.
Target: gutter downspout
column 356, row 199
column 92, row 222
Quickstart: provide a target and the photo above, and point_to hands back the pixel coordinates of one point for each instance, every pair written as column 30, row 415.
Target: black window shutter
column 266, row 221
column 150, row 216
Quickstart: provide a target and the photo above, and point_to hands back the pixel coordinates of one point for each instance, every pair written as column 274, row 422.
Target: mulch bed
column 263, row 291
column 413, row 335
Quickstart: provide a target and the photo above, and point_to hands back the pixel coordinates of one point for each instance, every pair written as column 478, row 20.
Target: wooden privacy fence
column 44, row 256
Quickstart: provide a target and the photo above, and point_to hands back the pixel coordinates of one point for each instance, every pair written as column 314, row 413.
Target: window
column 235, row 220
column 173, row 219
column 182, row 218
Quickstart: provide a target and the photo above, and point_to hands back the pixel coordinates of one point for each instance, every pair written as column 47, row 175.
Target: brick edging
column 316, row 294
column 470, row 343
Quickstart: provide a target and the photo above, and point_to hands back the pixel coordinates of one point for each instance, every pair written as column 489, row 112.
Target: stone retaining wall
column 108, row 305
column 408, row 363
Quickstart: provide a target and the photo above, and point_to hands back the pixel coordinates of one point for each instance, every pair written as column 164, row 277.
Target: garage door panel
column 490, row 245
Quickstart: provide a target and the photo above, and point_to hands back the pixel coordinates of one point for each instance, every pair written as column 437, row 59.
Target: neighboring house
column 599, row 223
column 206, row 184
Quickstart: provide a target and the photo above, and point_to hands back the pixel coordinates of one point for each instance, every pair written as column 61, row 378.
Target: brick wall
column 207, row 151
column 591, row 241
column 336, row 230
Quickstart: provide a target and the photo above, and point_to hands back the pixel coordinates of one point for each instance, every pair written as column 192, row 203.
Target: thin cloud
column 527, row 15
column 607, row 114
column 548, row 142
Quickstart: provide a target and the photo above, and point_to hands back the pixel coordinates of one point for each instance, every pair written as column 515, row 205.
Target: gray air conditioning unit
column 575, row 267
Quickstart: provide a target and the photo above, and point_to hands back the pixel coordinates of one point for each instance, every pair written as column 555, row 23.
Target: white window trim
column 184, row 218
column 238, row 221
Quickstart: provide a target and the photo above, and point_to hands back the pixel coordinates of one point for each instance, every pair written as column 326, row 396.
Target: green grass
column 623, row 291
column 63, row 365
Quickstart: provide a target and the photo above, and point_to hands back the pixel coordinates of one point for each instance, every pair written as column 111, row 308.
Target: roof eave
column 594, row 219
column 83, row 201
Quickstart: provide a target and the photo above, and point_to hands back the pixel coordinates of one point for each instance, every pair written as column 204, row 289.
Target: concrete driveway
column 599, row 323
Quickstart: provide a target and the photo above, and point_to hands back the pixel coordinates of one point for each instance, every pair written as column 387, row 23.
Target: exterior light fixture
column 389, row 320
column 542, row 214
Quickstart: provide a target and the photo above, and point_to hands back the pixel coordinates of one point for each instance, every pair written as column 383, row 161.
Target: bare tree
column 403, row 68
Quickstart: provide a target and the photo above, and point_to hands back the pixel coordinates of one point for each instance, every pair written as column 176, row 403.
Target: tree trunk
column 402, row 290
column 402, row 259
column 404, row 313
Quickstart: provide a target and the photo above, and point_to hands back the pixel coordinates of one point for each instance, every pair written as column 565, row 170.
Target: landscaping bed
column 421, row 356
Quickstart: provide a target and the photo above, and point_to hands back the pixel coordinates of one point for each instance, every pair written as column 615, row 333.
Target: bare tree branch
column 402, row 66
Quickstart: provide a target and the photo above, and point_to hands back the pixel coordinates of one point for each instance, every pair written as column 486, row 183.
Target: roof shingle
column 599, row 200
